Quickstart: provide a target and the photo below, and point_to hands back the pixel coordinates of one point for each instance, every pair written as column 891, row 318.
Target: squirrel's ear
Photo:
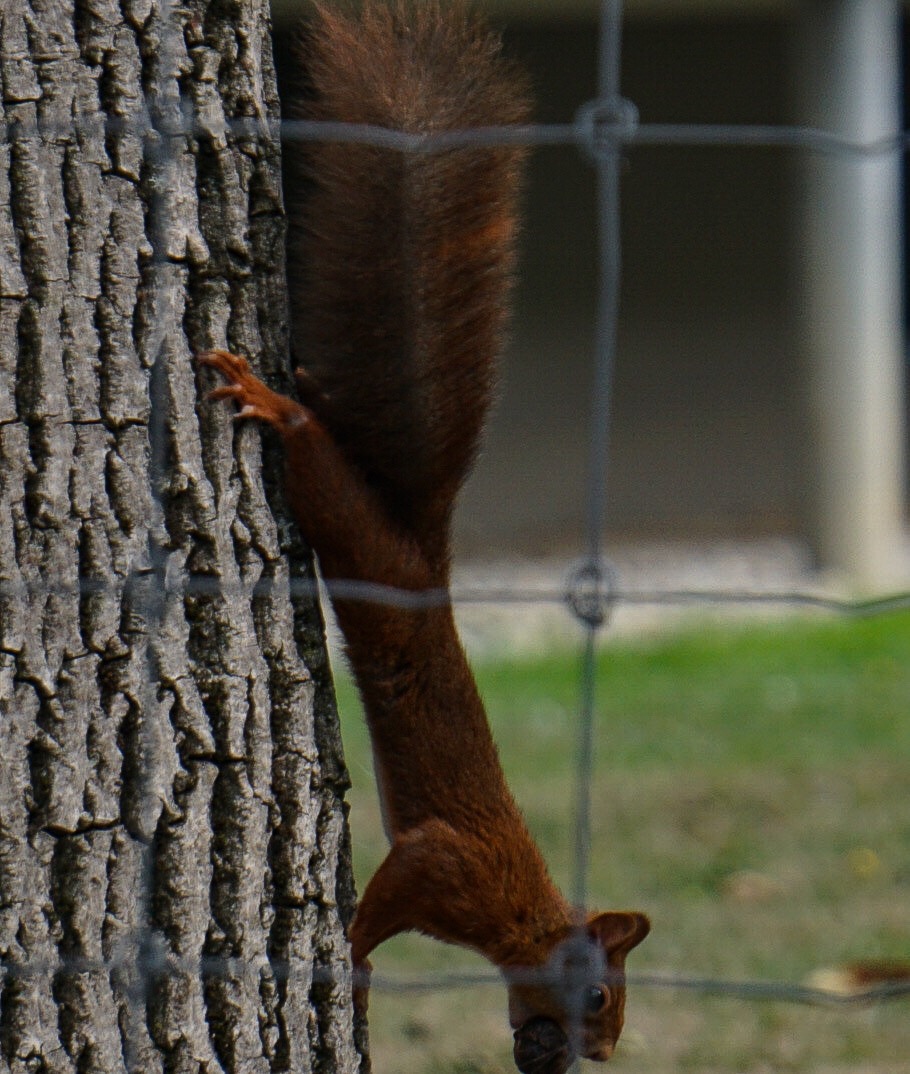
column 618, row 931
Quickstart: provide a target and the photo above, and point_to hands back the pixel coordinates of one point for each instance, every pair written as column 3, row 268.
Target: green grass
column 751, row 792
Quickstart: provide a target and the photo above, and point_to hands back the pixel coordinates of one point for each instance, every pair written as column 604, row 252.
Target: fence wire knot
column 604, row 124
column 591, row 591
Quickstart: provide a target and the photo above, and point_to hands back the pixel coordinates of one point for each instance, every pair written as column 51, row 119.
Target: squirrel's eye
column 595, row 999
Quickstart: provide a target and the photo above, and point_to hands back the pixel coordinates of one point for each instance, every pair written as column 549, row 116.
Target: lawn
column 752, row 794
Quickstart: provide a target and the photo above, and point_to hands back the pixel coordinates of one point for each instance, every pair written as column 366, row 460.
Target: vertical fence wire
column 606, row 163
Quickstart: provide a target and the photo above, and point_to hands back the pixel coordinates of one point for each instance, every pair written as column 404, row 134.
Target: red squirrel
column 400, row 301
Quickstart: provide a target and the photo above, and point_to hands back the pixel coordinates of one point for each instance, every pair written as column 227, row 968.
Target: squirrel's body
column 400, row 272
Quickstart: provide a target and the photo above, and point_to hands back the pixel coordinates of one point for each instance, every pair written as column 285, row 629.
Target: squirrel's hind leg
column 254, row 398
column 340, row 515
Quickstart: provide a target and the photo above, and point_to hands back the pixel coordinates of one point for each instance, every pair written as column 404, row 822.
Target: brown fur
column 409, row 260
column 400, row 272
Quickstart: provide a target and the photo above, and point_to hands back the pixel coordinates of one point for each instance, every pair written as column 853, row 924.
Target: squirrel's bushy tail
column 401, row 263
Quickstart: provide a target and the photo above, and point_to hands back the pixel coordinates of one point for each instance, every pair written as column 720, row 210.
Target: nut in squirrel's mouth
column 543, row 1047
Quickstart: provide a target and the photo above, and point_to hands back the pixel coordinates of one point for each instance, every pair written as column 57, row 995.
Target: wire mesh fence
column 604, row 129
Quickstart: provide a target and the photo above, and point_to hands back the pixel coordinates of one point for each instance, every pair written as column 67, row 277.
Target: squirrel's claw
column 248, row 410
column 225, row 391
column 254, row 398
column 228, row 364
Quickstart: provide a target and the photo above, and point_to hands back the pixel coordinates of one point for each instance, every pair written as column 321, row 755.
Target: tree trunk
column 174, row 863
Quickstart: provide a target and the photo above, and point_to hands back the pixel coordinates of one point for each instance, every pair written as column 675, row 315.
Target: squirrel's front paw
column 247, row 390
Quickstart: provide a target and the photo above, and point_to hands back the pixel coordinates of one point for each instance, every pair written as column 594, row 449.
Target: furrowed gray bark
column 174, row 862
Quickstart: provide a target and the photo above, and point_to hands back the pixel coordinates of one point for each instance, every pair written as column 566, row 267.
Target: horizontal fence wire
column 153, row 960
column 591, row 132
column 592, row 129
column 592, row 589
column 568, row 593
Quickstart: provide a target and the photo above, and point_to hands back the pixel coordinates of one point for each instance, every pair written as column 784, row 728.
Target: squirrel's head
column 573, row 1004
